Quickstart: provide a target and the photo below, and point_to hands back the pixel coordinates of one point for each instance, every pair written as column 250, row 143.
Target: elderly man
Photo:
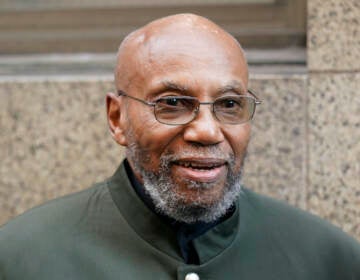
column 176, row 208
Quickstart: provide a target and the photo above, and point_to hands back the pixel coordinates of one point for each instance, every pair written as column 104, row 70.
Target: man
column 175, row 208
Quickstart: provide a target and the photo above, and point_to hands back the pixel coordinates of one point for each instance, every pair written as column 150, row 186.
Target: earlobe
column 115, row 119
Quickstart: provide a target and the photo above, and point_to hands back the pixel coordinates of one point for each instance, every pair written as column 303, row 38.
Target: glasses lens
column 175, row 109
column 234, row 109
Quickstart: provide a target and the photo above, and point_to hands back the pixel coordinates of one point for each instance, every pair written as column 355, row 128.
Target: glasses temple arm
column 122, row 93
column 257, row 100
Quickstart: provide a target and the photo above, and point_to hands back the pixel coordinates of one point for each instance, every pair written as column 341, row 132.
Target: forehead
column 187, row 55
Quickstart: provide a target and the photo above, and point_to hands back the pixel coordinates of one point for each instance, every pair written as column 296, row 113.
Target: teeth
column 195, row 165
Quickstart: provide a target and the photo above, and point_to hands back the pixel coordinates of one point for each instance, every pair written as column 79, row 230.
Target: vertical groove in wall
column 307, row 140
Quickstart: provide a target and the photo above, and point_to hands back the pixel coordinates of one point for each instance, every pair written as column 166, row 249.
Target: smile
column 200, row 170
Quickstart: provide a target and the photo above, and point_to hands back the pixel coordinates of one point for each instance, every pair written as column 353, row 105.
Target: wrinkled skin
column 180, row 55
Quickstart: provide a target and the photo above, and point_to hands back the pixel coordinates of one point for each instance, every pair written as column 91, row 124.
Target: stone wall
column 333, row 189
column 54, row 141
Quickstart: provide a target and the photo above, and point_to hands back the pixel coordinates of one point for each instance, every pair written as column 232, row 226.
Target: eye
column 175, row 102
column 171, row 101
column 229, row 103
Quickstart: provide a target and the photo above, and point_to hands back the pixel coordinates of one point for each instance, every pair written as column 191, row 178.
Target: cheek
column 140, row 120
column 239, row 139
column 152, row 137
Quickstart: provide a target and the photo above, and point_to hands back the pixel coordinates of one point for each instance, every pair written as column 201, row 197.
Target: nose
column 205, row 129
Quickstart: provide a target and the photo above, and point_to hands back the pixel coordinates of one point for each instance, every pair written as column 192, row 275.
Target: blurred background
column 56, row 63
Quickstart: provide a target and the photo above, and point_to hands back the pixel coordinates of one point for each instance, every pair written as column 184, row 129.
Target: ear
column 115, row 118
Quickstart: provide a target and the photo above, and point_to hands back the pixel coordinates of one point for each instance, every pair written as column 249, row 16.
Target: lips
column 200, row 169
column 202, row 164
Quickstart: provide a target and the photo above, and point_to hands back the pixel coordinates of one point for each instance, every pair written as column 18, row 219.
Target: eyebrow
column 169, row 85
column 234, row 86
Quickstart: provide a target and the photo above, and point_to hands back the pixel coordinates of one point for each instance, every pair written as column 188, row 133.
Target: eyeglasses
column 180, row 110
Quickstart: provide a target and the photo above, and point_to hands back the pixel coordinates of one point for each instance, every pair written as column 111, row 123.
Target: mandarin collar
column 158, row 230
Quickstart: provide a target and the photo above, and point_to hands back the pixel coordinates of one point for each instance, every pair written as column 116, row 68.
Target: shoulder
column 299, row 232
column 52, row 218
column 280, row 215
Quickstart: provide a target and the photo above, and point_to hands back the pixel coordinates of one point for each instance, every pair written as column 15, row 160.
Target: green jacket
column 106, row 232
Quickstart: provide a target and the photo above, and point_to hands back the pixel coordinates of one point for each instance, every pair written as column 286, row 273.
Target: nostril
column 205, row 129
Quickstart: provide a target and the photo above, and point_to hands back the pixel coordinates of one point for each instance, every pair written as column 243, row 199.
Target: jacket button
column 192, row 276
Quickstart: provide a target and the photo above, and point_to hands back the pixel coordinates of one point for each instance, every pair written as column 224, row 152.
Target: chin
column 199, row 193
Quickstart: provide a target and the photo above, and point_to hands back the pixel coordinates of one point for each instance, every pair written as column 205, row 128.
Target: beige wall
column 305, row 145
column 47, row 26
column 334, row 111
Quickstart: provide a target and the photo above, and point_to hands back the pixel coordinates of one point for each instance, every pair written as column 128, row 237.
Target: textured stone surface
column 334, row 35
column 334, row 149
column 53, row 139
column 277, row 153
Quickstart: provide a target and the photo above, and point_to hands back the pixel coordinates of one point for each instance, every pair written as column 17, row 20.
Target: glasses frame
column 257, row 101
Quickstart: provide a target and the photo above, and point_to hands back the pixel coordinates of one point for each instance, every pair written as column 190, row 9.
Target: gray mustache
column 213, row 154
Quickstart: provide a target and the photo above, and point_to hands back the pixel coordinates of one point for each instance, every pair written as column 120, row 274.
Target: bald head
column 180, row 35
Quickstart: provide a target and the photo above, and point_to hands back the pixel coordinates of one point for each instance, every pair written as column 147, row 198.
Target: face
column 192, row 171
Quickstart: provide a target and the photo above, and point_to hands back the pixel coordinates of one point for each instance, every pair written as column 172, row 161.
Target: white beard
column 160, row 187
